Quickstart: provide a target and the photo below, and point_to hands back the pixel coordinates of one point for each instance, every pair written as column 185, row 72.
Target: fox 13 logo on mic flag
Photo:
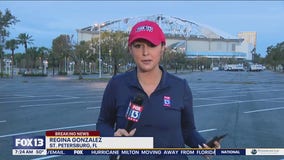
column 134, row 112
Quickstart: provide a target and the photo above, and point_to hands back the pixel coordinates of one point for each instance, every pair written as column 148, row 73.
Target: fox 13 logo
column 29, row 142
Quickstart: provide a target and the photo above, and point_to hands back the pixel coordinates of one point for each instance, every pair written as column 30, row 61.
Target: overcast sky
column 46, row 20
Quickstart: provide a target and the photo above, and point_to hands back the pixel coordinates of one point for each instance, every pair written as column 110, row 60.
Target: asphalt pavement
column 249, row 106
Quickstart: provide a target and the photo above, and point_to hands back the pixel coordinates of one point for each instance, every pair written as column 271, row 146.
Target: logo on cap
column 145, row 28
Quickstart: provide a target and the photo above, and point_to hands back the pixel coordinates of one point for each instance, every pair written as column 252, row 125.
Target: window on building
column 233, row 47
column 219, row 46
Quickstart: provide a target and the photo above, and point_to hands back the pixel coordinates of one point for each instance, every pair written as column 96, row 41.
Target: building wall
column 208, row 45
column 245, row 48
column 196, row 45
column 249, row 43
column 85, row 36
column 249, row 37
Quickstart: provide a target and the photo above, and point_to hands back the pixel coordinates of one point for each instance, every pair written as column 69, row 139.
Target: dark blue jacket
column 167, row 115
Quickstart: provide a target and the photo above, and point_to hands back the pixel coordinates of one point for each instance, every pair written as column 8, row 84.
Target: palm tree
column 25, row 39
column 12, row 45
column 6, row 21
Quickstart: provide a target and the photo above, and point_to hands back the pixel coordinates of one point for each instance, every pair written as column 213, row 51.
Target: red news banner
column 72, row 133
column 72, row 140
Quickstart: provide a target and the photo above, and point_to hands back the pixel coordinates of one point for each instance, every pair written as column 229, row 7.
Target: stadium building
column 184, row 36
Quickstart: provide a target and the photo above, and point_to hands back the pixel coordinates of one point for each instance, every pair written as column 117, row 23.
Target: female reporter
column 167, row 114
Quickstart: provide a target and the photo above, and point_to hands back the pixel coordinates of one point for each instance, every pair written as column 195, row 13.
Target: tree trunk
column 1, row 63
column 115, row 67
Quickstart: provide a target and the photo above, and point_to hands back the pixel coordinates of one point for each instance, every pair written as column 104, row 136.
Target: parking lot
column 249, row 106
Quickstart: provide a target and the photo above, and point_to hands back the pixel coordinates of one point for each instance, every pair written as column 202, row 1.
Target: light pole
column 100, row 59
column 109, row 66
column 65, row 61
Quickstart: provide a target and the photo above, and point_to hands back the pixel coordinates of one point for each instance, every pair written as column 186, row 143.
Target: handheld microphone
column 133, row 112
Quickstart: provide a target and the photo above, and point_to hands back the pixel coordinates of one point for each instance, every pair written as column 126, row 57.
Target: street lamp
column 100, row 59
column 109, row 66
column 186, row 32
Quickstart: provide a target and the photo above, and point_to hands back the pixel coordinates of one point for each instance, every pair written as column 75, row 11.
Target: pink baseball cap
column 147, row 30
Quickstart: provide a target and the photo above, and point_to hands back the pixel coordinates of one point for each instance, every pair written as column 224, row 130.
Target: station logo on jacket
column 167, row 101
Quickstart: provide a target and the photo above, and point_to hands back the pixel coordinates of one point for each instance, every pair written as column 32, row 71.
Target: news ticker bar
column 155, row 151
column 90, row 143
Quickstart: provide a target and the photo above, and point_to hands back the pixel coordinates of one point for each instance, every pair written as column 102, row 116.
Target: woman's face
column 146, row 56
